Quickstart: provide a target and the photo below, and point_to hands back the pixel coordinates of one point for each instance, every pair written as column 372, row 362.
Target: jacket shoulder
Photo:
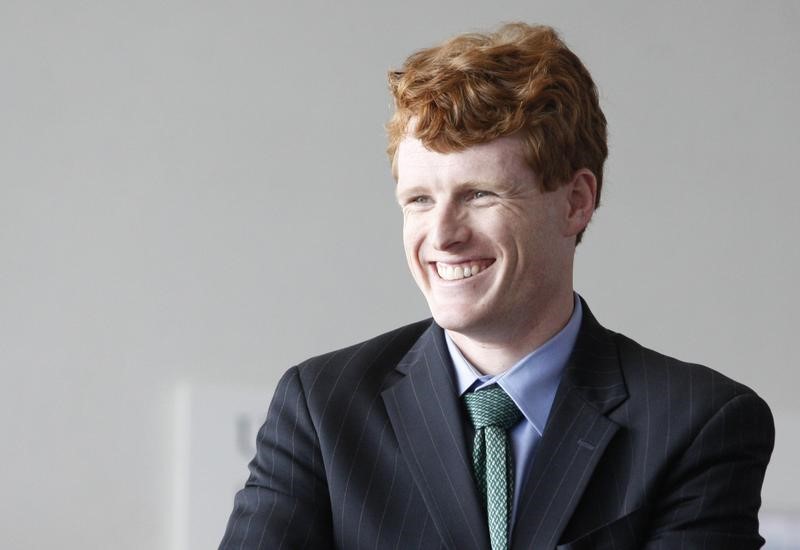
column 635, row 356
column 658, row 382
column 369, row 362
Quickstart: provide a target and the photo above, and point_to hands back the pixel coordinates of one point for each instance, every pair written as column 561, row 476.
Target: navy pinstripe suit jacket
column 366, row 448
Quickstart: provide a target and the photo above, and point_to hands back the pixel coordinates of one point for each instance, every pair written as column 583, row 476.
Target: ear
column 581, row 197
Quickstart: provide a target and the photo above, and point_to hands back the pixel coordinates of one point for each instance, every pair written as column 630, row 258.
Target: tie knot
column 492, row 407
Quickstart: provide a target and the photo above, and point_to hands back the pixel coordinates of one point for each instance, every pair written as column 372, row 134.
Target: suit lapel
column 574, row 439
column 425, row 414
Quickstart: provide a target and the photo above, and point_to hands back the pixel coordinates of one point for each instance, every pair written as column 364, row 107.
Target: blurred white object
column 781, row 530
column 215, row 433
column 780, row 516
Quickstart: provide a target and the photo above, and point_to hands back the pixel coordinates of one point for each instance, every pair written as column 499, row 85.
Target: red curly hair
column 478, row 87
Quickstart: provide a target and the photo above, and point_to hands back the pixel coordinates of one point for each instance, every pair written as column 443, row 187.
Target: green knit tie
column 493, row 412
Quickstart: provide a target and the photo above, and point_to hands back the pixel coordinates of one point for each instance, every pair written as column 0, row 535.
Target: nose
column 449, row 227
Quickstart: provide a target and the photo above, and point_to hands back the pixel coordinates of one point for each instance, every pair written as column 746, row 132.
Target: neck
column 497, row 351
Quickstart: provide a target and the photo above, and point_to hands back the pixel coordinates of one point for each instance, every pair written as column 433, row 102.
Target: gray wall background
column 197, row 191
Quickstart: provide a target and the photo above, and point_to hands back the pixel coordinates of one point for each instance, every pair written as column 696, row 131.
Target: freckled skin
column 485, row 202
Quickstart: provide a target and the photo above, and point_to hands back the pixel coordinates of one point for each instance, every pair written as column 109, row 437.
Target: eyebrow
column 468, row 184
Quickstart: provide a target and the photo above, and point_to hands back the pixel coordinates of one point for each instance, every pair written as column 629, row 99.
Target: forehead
column 501, row 159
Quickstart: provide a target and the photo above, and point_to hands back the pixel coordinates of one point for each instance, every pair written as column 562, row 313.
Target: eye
column 481, row 194
column 415, row 202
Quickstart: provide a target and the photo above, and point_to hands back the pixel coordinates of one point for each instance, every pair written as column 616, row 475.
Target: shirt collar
column 532, row 382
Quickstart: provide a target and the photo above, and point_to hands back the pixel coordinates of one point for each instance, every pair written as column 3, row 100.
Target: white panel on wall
column 781, row 531
column 780, row 515
column 215, row 433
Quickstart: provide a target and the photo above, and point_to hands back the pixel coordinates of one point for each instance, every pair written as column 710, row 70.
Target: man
column 513, row 419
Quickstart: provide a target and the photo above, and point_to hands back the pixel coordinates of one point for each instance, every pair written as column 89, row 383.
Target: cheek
column 408, row 235
column 508, row 232
column 413, row 230
column 411, row 241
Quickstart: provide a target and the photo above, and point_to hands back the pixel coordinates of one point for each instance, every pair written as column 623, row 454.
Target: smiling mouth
column 461, row 270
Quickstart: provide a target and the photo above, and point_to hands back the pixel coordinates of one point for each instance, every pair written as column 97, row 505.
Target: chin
column 454, row 319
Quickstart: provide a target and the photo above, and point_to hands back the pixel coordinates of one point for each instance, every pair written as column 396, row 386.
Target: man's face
column 485, row 246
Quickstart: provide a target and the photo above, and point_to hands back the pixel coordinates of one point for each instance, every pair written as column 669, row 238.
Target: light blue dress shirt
column 532, row 384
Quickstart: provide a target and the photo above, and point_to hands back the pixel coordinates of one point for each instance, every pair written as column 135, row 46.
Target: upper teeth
column 452, row 273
